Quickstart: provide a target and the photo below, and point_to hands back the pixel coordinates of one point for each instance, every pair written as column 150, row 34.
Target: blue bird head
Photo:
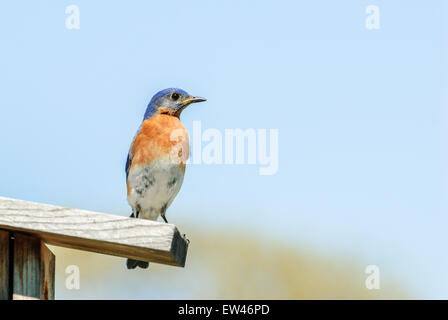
column 170, row 101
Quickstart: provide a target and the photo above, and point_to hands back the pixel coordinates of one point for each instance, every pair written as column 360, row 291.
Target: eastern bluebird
column 155, row 166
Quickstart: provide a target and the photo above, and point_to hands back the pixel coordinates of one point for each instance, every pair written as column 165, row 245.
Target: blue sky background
column 361, row 116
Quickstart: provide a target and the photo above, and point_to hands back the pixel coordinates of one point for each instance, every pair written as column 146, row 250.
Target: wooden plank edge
column 179, row 248
column 172, row 257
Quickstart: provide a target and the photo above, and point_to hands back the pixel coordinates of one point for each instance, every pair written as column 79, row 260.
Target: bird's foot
column 186, row 239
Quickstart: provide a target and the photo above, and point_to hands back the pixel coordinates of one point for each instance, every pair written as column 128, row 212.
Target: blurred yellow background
column 224, row 265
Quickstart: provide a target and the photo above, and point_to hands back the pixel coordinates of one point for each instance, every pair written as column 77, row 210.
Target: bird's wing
column 130, row 154
column 129, row 160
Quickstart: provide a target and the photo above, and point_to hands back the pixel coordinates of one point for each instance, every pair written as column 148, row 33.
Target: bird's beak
column 191, row 100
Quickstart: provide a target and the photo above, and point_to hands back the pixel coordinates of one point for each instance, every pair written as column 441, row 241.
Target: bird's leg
column 162, row 212
column 135, row 212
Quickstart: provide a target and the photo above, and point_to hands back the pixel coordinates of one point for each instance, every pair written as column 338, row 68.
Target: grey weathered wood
column 47, row 272
column 97, row 232
column 26, row 267
column 33, row 269
column 4, row 265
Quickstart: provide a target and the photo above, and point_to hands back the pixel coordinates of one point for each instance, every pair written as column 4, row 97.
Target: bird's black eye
column 175, row 96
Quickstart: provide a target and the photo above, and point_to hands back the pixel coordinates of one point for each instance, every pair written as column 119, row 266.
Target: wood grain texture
column 4, row 265
column 97, row 232
column 47, row 272
column 33, row 270
column 26, row 267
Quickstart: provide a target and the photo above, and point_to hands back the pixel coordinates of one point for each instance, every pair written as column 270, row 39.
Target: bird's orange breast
column 160, row 137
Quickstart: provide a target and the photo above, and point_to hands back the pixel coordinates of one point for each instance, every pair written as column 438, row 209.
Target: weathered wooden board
column 47, row 272
column 4, row 265
column 97, row 232
column 26, row 264
column 33, row 269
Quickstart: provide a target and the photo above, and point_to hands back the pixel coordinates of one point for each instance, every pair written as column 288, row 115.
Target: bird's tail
column 132, row 264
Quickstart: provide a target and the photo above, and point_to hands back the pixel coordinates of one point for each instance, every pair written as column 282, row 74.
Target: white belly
column 153, row 187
